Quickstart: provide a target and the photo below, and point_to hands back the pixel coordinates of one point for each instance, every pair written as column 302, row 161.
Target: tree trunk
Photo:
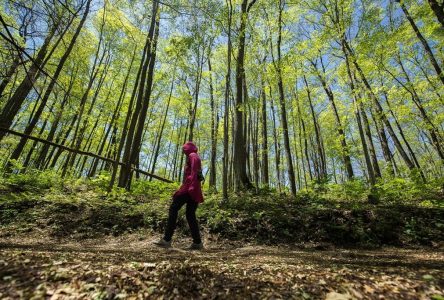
column 241, row 180
column 368, row 162
column 39, row 163
column 322, row 163
column 144, row 96
column 345, row 151
column 431, row 128
column 159, row 140
column 34, row 145
column 277, row 146
column 401, row 132
column 124, row 139
column 370, row 145
column 438, row 10
column 379, row 110
column 14, row 104
column 423, row 41
column 226, row 109
column 212, row 179
column 11, row 70
column 265, row 171
column 290, row 169
column 30, row 127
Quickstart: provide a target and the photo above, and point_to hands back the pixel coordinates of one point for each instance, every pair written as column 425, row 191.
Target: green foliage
column 34, row 180
column 353, row 190
column 83, row 208
column 155, row 188
column 408, row 190
column 102, row 180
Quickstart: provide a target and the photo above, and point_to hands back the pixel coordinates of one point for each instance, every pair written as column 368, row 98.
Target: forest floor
column 34, row 265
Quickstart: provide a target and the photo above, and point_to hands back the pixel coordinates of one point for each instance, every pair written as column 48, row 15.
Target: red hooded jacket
column 191, row 184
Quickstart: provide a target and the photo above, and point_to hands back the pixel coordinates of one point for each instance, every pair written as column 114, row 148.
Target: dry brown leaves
column 136, row 270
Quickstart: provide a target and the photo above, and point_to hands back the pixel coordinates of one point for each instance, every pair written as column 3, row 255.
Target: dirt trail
column 129, row 267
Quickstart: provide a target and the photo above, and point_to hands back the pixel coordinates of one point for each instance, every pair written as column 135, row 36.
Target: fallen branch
column 81, row 152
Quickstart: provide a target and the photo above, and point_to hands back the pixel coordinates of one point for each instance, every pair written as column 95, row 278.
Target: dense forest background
column 281, row 95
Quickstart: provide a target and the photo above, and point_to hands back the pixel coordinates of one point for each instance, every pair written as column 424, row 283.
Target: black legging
column 176, row 205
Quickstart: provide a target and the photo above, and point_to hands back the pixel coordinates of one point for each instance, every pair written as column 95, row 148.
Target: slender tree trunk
column 193, row 108
column 431, row 128
column 423, row 41
column 39, row 163
column 138, row 90
column 401, row 132
column 283, row 108
column 125, row 140
column 379, row 110
column 34, row 145
column 302, row 122
column 11, row 71
column 114, row 118
column 255, row 142
column 14, row 104
column 144, row 96
column 212, row 179
column 225, row 159
column 438, row 10
column 345, row 151
column 368, row 162
column 30, row 127
column 370, row 145
column 265, row 171
column 80, row 131
column 300, row 134
column 322, row 162
column 159, row 140
column 277, row 146
column 63, row 139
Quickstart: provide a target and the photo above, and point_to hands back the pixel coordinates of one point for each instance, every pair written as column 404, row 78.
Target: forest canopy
column 281, row 95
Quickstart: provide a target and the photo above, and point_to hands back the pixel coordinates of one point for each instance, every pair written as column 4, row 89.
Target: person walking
column 189, row 193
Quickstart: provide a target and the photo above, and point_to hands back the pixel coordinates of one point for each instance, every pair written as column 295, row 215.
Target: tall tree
column 134, row 143
column 423, row 41
column 241, row 179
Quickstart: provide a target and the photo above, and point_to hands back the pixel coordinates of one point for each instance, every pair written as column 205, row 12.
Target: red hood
column 189, row 148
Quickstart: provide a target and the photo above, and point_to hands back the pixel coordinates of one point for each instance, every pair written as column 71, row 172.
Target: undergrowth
column 408, row 212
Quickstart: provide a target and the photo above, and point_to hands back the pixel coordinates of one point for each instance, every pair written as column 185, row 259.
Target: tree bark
column 283, row 109
column 30, row 127
column 241, row 180
column 11, row 70
column 379, row 110
column 265, row 171
column 322, row 163
column 438, row 10
column 143, row 100
column 14, row 104
column 423, row 41
column 345, row 151
column 368, row 162
column 214, row 124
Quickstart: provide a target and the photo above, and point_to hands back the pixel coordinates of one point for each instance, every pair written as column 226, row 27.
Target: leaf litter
column 129, row 267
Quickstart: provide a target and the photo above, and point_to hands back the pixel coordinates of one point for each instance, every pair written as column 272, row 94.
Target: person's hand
column 191, row 189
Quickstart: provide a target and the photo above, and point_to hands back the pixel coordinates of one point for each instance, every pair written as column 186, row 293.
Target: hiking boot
column 162, row 243
column 195, row 246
